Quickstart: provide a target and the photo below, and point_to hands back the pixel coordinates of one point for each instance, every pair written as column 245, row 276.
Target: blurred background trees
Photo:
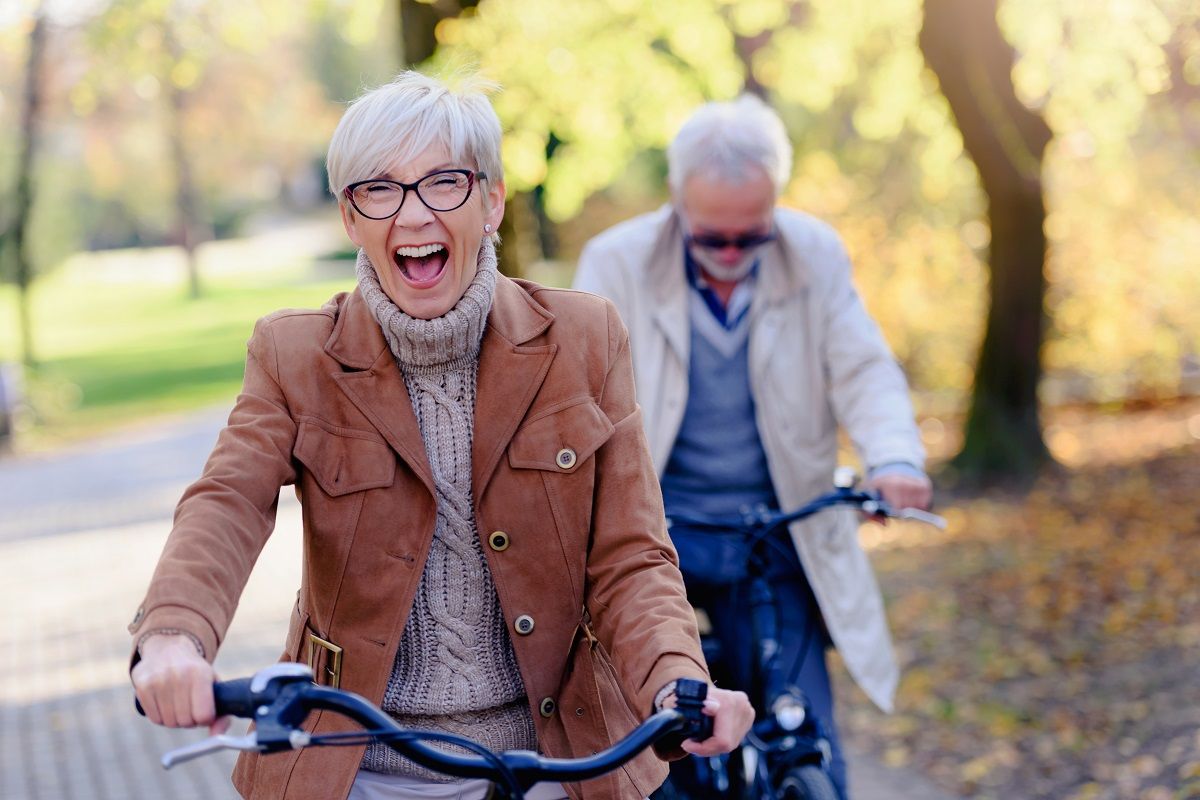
column 1016, row 180
column 14, row 225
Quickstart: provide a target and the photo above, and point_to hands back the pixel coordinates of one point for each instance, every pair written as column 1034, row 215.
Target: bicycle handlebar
column 869, row 502
column 280, row 697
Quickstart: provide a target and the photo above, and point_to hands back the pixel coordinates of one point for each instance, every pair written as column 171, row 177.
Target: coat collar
column 510, row 374
column 357, row 342
column 781, row 275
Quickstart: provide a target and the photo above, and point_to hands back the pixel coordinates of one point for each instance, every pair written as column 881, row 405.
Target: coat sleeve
column 224, row 519
column 635, row 592
column 867, row 388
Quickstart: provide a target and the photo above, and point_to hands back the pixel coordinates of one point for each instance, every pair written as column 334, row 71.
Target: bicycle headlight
column 789, row 712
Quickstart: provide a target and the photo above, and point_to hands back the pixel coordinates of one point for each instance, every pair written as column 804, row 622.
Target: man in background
column 750, row 348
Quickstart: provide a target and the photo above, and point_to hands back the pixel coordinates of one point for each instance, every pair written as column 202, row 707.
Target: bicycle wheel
column 807, row 782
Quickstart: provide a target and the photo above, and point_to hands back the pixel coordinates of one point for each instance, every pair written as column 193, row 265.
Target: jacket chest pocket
column 555, row 447
column 560, row 439
column 342, row 460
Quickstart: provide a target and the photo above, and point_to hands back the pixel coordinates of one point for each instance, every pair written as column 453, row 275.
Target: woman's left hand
column 732, row 717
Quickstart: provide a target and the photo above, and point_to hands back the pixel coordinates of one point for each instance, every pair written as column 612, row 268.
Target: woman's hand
column 174, row 684
column 732, row 717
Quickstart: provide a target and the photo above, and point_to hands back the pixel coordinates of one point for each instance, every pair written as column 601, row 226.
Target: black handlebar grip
column 234, row 698
column 704, row 730
column 689, row 700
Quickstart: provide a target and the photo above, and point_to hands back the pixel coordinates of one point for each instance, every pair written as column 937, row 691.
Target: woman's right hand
column 174, row 684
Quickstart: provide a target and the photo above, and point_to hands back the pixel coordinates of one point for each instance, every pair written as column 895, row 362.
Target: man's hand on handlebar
column 732, row 717
column 902, row 491
column 174, row 684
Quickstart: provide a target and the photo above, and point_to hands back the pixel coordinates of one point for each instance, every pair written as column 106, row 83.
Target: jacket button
column 524, row 624
column 499, row 541
column 547, row 706
column 565, row 458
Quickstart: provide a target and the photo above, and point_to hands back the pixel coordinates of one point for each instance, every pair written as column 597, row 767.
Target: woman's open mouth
column 421, row 265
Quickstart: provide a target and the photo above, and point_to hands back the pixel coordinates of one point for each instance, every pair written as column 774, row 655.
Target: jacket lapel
column 510, row 375
column 669, row 287
column 781, row 279
column 375, row 385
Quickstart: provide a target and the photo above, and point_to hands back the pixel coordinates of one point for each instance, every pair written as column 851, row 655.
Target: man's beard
column 714, row 269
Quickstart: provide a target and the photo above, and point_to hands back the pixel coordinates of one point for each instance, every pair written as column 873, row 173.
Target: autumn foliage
column 1050, row 641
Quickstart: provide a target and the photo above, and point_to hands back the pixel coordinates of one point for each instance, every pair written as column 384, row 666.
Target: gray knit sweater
column 455, row 669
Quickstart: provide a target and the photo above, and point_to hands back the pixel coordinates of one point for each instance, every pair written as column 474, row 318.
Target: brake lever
column 297, row 739
column 922, row 516
column 210, row 745
column 878, row 507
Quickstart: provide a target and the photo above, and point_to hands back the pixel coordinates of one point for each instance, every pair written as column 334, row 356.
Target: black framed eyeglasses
column 714, row 241
column 444, row 190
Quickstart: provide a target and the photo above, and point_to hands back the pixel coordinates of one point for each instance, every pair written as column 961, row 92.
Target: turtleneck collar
column 444, row 342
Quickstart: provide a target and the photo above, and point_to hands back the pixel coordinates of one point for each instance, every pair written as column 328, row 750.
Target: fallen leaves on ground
column 1049, row 642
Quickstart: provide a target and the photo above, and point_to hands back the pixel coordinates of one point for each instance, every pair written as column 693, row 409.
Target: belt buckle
column 331, row 672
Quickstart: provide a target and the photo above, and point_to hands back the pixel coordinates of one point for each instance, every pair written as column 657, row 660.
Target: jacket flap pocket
column 344, row 460
column 561, row 438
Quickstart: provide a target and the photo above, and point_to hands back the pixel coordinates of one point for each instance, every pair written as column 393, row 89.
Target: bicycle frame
column 789, row 727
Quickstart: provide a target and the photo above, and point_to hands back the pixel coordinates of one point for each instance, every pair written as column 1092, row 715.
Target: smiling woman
column 425, row 251
column 485, row 546
column 407, row 138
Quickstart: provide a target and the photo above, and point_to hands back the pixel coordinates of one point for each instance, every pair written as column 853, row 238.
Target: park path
column 80, row 531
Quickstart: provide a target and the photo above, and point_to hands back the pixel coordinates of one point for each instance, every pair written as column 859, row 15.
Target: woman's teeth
column 418, row 252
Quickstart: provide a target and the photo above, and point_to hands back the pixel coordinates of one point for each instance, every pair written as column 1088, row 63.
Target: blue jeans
column 803, row 639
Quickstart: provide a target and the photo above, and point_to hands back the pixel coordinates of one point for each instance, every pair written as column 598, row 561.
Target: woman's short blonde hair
column 724, row 139
column 395, row 122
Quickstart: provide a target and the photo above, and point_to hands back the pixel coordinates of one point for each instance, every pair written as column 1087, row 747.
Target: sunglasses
column 747, row 241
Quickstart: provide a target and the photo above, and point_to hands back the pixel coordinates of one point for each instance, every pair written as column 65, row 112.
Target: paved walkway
column 79, row 534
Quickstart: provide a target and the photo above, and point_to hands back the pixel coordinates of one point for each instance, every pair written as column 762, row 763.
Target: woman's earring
column 487, row 228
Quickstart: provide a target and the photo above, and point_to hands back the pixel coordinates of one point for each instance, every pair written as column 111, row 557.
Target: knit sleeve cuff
column 663, row 694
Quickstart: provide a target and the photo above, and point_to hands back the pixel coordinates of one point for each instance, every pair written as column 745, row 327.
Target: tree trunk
column 963, row 45
column 187, row 206
column 746, row 47
column 418, row 26
column 190, row 227
column 418, row 41
column 508, row 256
column 24, row 194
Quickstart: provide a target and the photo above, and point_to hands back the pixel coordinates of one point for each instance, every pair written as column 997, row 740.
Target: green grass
column 118, row 341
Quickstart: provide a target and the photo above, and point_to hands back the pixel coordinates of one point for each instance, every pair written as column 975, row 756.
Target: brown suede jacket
column 567, row 504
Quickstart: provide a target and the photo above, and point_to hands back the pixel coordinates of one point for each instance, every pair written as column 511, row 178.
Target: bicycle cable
column 386, row 736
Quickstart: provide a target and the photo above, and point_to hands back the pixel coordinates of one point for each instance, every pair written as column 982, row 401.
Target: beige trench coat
column 560, row 468
column 816, row 359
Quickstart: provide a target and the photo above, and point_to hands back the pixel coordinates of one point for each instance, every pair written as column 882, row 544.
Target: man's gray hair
column 395, row 122
column 725, row 139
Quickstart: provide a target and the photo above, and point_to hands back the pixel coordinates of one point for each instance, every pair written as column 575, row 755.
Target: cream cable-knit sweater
column 455, row 669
